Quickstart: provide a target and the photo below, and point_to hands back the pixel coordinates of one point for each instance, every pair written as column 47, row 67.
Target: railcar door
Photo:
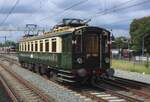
column 91, row 46
column 86, row 48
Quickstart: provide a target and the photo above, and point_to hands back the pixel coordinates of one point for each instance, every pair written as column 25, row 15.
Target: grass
column 131, row 66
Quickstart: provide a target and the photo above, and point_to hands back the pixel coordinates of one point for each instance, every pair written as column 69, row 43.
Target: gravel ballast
column 68, row 94
column 145, row 78
column 59, row 93
column 132, row 76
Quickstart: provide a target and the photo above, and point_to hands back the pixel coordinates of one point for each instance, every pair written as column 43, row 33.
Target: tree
column 139, row 30
column 120, row 43
column 9, row 43
column 1, row 45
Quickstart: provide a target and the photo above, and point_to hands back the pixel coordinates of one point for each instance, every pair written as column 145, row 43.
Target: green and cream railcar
column 71, row 54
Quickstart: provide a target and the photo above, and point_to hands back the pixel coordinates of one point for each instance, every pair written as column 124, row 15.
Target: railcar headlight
column 107, row 60
column 79, row 60
column 82, row 72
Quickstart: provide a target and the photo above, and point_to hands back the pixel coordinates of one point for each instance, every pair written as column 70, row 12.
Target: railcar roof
column 45, row 36
column 50, row 34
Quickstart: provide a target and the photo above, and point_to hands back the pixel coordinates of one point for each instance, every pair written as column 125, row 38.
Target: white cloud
column 120, row 32
column 33, row 11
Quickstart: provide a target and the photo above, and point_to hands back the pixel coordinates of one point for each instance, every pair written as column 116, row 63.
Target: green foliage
column 120, row 42
column 131, row 66
column 139, row 29
column 1, row 44
column 8, row 43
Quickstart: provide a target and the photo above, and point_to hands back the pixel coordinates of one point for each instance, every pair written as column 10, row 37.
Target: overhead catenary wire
column 117, row 8
column 1, row 8
column 106, row 11
column 130, row 6
column 66, row 9
column 111, row 8
column 10, row 12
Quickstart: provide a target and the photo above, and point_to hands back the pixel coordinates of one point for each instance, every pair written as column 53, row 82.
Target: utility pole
column 143, row 47
column 143, row 43
column 5, row 43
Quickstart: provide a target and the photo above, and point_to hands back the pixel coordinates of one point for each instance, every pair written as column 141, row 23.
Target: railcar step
column 67, row 80
column 63, row 75
column 66, row 71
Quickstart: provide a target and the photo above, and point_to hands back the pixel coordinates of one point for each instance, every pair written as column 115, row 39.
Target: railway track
column 130, row 90
column 139, row 89
column 119, row 94
column 19, row 89
column 124, row 90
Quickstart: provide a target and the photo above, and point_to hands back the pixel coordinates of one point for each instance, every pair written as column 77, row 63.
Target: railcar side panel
column 56, row 60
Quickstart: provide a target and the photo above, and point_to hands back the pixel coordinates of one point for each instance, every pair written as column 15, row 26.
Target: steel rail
column 27, row 84
column 127, row 98
column 9, row 91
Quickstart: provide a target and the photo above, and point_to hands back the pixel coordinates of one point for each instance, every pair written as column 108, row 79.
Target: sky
column 114, row 15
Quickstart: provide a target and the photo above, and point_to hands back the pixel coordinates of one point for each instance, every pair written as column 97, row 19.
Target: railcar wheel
column 29, row 66
column 53, row 76
column 42, row 71
column 37, row 69
column 26, row 65
column 22, row 65
column 33, row 68
column 48, row 73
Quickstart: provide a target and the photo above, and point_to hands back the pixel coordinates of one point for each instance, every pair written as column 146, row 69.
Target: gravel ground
column 133, row 76
column 118, row 73
column 59, row 93
column 12, row 56
column 4, row 97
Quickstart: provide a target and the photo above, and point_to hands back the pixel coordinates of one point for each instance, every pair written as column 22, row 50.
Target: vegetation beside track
column 131, row 66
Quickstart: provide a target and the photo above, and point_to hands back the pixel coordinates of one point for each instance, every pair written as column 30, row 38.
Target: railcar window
column 66, row 44
column 28, row 46
column 92, row 44
column 21, row 46
column 41, row 46
column 53, row 45
column 78, row 45
column 106, row 43
column 36, row 46
column 25, row 47
column 46, row 45
column 32, row 46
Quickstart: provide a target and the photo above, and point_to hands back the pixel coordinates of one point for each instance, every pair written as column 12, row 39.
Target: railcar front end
column 90, row 55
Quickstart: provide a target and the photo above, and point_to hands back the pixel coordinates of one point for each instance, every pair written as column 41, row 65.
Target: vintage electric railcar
column 71, row 52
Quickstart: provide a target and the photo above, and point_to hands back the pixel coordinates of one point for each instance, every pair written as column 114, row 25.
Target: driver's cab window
column 78, row 44
column 106, row 41
column 92, row 44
